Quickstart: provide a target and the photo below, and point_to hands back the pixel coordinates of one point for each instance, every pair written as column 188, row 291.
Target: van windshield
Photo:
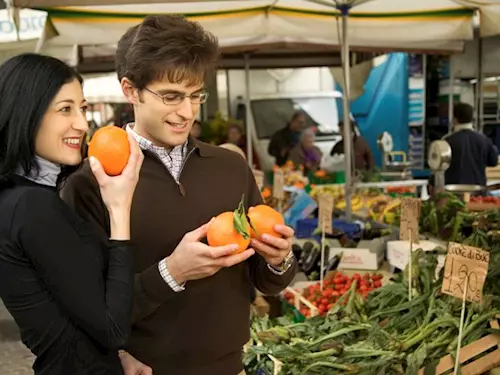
column 271, row 115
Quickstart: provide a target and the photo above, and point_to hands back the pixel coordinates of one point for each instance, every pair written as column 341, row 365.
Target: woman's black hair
column 28, row 84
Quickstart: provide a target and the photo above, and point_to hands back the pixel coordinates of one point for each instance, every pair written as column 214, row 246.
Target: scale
column 439, row 160
column 394, row 163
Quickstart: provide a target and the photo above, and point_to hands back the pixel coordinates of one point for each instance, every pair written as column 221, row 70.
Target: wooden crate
column 476, row 358
column 493, row 173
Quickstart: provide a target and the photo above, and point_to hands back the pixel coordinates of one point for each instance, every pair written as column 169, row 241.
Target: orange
column 263, row 219
column 222, row 232
column 110, row 146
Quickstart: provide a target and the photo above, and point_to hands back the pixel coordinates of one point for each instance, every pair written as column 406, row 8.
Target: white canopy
column 441, row 25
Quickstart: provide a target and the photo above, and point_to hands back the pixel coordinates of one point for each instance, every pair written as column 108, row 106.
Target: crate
column 305, row 227
column 299, row 299
column 476, row 358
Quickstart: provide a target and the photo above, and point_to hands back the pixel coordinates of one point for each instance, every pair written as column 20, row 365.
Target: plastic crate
column 305, row 227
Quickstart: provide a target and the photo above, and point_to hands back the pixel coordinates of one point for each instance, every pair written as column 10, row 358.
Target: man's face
column 298, row 124
column 166, row 122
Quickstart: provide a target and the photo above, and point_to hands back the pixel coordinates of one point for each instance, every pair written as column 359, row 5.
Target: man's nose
column 186, row 109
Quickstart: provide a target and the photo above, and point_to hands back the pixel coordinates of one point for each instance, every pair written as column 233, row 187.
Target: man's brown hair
column 166, row 47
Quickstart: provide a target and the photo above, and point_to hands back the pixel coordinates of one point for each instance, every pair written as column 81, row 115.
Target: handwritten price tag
column 465, row 267
column 325, row 202
column 279, row 185
column 410, row 213
column 259, row 178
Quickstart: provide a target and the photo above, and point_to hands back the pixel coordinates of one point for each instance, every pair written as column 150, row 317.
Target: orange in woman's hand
column 263, row 219
column 230, row 228
column 110, row 146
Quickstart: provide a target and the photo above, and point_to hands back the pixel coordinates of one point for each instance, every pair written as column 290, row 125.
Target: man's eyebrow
column 169, row 91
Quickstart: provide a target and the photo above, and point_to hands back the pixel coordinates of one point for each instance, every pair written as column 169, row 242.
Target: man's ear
column 129, row 91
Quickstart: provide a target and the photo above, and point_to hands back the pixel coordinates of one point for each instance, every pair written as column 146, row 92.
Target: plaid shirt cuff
column 162, row 267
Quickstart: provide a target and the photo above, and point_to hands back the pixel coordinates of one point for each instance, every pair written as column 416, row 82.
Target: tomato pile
column 335, row 286
column 487, row 199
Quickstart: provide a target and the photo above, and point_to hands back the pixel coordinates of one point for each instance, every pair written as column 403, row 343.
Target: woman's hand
column 132, row 366
column 117, row 191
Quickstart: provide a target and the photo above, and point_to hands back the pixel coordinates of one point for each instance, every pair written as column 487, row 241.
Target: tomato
column 377, row 284
column 357, row 276
column 324, row 301
column 339, row 287
column 304, row 310
column 335, row 293
column 363, row 288
column 329, row 307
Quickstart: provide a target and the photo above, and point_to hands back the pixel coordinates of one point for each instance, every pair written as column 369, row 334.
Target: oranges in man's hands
column 230, row 228
column 263, row 219
column 110, row 146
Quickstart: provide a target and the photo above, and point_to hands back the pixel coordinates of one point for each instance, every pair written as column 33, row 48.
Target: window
column 270, row 115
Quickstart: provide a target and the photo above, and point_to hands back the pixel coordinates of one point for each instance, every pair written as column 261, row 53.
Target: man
column 192, row 301
column 287, row 138
column 363, row 157
column 471, row 152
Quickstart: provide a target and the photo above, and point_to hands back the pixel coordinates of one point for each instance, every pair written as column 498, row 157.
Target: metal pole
column 346, row 107
column 228, row 95
column 479, row 85
column 247, row 111
column 450, row 96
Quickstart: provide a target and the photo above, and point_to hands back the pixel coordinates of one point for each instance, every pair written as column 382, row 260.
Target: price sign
column 279, row 184
column 325, row 202
column 408, row 224
column 259, row 178
column 465, row 267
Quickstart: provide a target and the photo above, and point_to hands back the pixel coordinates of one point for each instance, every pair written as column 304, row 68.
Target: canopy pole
column 247, row 111
column 348, row 146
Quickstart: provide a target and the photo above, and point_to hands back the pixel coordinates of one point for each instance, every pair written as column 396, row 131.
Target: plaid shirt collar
column 172, row 158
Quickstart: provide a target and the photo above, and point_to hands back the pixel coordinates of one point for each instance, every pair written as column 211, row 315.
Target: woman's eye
column 65, row 109
column 84, row 109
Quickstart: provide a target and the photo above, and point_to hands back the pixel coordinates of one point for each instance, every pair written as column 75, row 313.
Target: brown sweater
column 201, row 330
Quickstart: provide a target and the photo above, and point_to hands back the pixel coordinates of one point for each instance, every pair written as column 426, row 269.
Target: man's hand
column 192, row 259
column 273, row 249
column 132, row 366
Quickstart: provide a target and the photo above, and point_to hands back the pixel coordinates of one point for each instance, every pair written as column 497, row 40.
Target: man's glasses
column 176, row 98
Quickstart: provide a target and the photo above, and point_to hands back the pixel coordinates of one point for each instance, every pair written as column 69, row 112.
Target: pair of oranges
column 110, row 146
column 239, row 228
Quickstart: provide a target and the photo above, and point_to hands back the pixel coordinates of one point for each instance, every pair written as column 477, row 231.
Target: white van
column 271, row 112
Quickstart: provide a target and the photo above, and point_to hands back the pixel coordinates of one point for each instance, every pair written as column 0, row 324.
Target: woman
column 306, row 153
column 69, row 290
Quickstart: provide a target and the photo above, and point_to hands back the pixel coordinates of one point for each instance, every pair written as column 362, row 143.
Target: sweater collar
column 47, row 174
column 466, row 126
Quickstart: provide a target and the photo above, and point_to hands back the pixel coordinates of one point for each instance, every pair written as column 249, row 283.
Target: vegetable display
column 384, row 334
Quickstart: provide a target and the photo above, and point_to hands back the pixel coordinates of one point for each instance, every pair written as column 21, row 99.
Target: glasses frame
column 202, row 99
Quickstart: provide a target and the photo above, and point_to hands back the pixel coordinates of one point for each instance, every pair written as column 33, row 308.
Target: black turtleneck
column 69, row 291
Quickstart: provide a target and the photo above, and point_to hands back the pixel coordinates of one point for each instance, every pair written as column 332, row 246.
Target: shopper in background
column 69, row 289
column 287, row 138
column 196, row 129
column 236, row 137
column 471, row 151
column 192, row 301
column 363, row 156
column 306, row 153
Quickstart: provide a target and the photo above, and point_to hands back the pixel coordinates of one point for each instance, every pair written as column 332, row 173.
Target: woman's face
column 233, row 135
column 62, row 131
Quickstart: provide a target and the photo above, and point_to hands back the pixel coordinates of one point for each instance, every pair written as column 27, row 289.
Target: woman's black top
column 69, row 291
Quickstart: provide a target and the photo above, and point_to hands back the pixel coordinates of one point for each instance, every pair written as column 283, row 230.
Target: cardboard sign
column 465, row 267
column 325, row 202
column 259, row 178
column 279, row 185
column 410, row 213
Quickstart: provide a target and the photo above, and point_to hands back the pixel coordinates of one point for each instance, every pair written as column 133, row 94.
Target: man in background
column 287, row 138
column 471, row 151
column 363, row 157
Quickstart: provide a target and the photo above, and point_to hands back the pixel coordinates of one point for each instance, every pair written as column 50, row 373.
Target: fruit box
column 475, row 359
column 368, row 255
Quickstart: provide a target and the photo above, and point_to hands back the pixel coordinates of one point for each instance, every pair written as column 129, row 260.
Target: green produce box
column 287, row 309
